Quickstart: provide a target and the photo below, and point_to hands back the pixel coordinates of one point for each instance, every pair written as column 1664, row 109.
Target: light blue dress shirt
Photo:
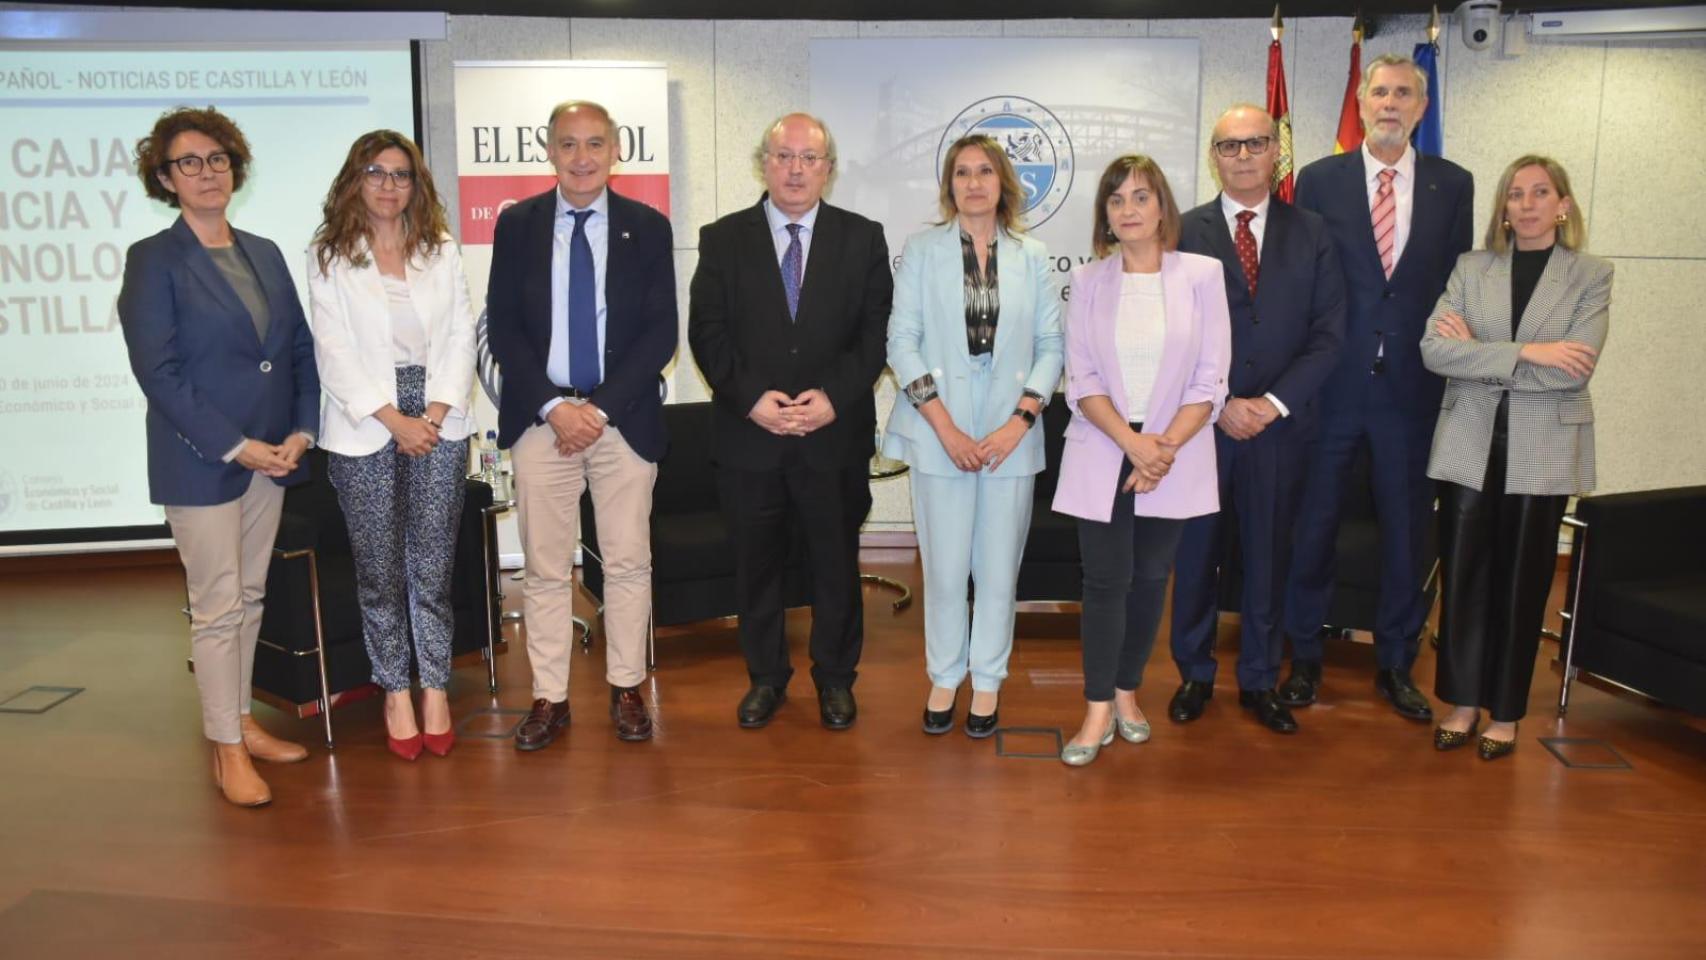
column 598, row 238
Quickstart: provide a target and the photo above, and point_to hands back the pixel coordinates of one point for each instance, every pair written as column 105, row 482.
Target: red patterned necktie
column 1245, row 242
column 1385, row 217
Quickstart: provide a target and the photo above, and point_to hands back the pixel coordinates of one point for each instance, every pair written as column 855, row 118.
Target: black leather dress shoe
column 1187, row 704
column 978, row 727
column 1270, row 712
column 1299, row 689
column 837, row 707
column 1399, row 690
column 759, row 705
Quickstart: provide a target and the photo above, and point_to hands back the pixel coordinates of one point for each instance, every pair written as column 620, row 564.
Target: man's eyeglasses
column 785, row 159
column 1256, row 145
column 190, row 165
column 376, row 175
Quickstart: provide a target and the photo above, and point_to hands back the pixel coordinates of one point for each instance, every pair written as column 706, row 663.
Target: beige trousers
column 226, row 549
column 548, row 490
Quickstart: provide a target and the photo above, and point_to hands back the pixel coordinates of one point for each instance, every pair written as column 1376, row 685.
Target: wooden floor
column 1352, row 839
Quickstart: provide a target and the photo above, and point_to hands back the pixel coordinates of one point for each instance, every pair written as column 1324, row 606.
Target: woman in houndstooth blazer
column 1517, row 334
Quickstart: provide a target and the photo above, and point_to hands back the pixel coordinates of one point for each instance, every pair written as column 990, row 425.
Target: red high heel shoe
column 408, row 749
column 440, row 743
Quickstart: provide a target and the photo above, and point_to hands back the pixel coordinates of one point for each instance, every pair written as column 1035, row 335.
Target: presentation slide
column 71, row 416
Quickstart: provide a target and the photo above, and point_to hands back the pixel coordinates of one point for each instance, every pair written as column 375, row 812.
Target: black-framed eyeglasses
column 376, row 175
column 190, row 165
column 1256, row 145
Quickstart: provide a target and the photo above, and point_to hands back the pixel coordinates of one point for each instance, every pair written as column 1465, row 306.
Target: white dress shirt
column 598, row 238
column 779, row 232
column 1230, row 209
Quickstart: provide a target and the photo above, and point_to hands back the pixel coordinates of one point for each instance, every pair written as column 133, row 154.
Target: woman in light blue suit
column 975, row 341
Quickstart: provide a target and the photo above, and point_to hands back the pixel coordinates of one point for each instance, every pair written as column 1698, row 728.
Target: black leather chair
column 1050, row 569
column 311, row 651
column 1636, row 604
column 693, row 561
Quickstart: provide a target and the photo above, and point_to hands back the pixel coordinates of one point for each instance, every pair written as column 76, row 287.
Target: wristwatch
column 1029, row 417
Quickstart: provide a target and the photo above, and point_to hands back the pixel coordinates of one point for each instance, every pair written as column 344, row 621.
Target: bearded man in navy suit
column 1399, row 221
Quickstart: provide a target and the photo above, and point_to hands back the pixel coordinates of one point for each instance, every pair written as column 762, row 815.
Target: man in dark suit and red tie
column 1399, row 220
column 1287, row 298
column 582, row 319
column 788, row 320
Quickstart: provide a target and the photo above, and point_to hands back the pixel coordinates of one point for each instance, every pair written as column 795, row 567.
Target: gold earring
column 1507, row 225
column 1563, row 217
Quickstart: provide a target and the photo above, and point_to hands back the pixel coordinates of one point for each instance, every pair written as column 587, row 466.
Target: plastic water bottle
column 490, row 459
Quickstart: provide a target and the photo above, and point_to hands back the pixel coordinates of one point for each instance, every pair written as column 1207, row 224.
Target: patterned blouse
column 983, row 312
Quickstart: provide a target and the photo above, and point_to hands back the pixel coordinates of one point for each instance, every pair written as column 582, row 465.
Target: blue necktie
column 583, row 309
column 791, row 270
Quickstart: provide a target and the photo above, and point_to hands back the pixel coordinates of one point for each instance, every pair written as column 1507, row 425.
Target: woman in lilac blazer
column 1148, row 345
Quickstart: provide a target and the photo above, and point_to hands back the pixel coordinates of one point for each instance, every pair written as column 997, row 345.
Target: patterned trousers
column 403, row 513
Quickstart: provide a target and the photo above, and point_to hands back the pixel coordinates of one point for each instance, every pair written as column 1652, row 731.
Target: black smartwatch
column 1029, row 417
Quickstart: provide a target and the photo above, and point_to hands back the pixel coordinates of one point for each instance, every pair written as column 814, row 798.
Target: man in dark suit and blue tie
column 1399, row 220
column 582, row 320
column 1287, row 299
column 788, row 322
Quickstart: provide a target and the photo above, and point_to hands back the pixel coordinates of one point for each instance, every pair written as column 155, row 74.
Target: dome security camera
column 1480, row 20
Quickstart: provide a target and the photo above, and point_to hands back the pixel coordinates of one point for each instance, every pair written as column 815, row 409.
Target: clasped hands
column 797, row 416
column 414, row 436
column 272, row 459
column 576, row 425
column 1151, row 456
column 1244, row 418
column 1575, row 359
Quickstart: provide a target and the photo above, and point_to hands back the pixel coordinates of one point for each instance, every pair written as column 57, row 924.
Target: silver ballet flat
column 1134, row 731
column 1074, row 756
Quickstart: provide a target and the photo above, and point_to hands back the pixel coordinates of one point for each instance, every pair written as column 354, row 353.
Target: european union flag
column 1429, row 137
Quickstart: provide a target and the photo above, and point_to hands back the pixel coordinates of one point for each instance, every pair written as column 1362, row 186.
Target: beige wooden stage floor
column 1352, row 839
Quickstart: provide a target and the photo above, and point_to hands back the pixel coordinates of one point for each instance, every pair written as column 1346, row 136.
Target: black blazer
column 641, row 321
column 1395, row 312
column 1286, row 340
column 745, row 343
column 209, row 380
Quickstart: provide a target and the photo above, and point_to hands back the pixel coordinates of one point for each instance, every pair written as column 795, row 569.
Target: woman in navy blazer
column 974, row 337
column 221, row 351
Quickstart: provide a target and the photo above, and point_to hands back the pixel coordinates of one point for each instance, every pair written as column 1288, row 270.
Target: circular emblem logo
column 1035, row 141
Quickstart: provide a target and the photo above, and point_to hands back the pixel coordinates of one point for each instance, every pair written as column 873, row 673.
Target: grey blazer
column 1550, row 445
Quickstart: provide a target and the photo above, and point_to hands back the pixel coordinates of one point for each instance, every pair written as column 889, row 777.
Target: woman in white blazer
column 974, row 338
column 394, row 339
column 1517, row 332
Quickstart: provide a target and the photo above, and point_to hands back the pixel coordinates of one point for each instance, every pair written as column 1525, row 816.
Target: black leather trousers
column 1499, row 556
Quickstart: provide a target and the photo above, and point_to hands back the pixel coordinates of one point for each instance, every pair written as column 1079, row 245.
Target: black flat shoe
column 938, row 722
column 1396, row 687
column 1490, row 749
column 1452, row 739
column 978, row 727
column 759, row 706
column 1269, row 711
column 836, row 707
column 1301, row 688
column 1187, row 704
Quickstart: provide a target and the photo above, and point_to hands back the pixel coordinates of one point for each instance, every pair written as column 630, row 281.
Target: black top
column 983, row 298
column 1526, row 268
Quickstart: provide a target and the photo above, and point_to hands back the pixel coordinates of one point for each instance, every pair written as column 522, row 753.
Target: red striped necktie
column 1385, row 216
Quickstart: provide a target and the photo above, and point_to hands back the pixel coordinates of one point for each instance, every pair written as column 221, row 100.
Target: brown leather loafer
column 541, row 725
column 628, row 712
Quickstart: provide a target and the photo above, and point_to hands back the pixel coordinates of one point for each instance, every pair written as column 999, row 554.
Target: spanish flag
column 1350, row 118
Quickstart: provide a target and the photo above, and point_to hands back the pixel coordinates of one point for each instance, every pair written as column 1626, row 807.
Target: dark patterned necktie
column 1245, row 241
column 791, row 262
column 583, row 309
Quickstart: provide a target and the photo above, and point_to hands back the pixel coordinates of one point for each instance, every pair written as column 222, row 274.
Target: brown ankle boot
column 235, row 776
column 264, row 746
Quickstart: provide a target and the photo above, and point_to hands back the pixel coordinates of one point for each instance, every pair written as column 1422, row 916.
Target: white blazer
column 351, row 320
